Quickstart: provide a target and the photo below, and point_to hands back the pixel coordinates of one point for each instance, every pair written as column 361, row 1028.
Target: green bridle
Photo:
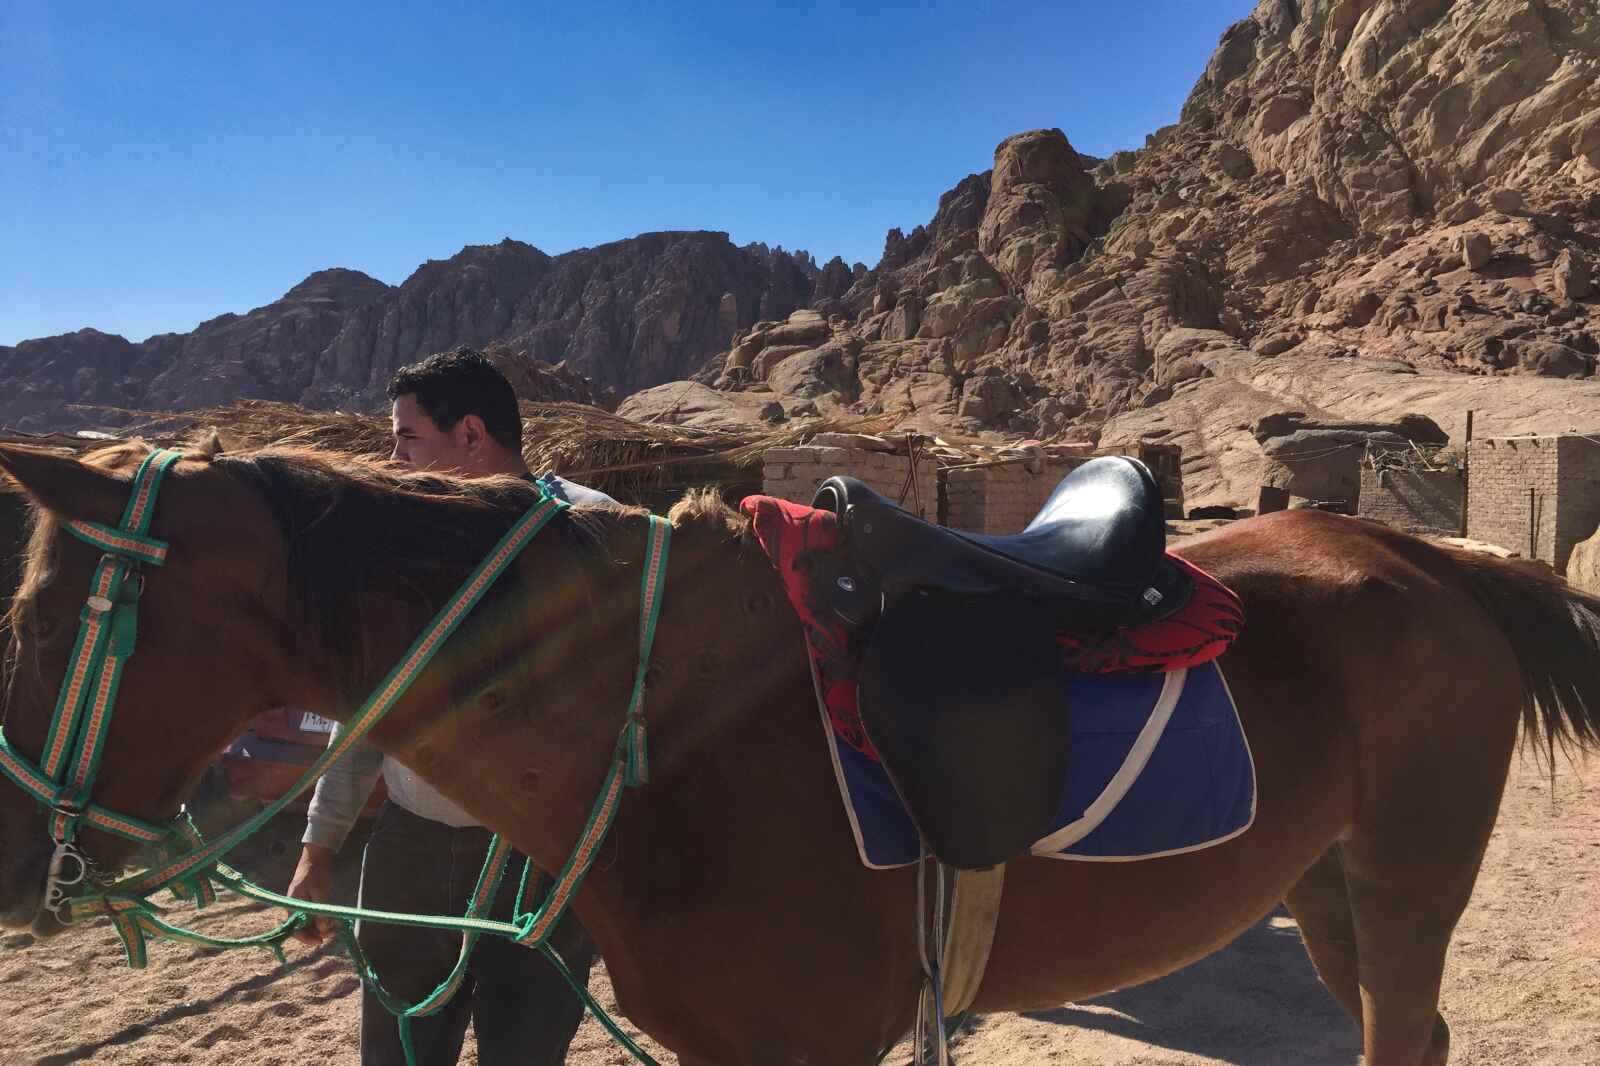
column 63, row 780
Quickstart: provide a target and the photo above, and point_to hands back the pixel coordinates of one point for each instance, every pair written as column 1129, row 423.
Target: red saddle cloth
column 793, row 535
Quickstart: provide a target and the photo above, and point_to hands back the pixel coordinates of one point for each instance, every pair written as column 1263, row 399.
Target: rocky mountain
column 624, row 316
column 1367, row 209
column 1401, row 184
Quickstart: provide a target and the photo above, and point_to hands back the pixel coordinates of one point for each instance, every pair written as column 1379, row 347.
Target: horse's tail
column 1554, row 631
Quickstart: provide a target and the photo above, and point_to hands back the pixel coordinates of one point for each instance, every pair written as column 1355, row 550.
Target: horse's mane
column 706, row 507
column 354, row 528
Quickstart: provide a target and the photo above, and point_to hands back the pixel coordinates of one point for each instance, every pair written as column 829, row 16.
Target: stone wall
column 1416, row 501
column 795, row 473
column 1538, row 496
column 1000, row 498
column 991, row 497
column 1502, row 472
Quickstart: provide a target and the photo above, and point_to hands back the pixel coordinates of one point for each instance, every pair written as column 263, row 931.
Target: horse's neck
column 728, row 647
column 519, row 727
column 733, row 733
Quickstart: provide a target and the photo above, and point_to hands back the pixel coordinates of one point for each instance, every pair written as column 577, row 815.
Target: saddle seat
column 961, row 687
column 1099, row 542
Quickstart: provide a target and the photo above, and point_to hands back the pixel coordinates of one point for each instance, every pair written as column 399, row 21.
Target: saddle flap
column 965, row 701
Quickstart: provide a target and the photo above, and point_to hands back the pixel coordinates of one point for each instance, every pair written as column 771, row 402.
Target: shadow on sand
column 1257, row 1002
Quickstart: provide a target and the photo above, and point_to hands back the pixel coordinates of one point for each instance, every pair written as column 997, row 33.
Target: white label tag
column 315, row 723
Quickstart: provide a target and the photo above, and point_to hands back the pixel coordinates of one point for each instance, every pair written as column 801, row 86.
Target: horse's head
column 298, row 579
column 209, row 637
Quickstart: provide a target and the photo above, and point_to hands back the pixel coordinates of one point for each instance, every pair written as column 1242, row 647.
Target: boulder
column 990, row 397
column 804, row 329
column 681, row 403
column 771, row 356
column 1475, row 249
column 1572, row 278
column 1583, row 566
column 1409, row 427
column 1041, row 203
column 1507, row 201
column 817, row 372
column 905, row 318
column 1278, row 343
column 1550, row 359
column 1321, row 459
column 1234, row 162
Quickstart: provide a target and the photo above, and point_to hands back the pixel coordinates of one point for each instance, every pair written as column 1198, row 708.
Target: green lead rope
column 191, row 875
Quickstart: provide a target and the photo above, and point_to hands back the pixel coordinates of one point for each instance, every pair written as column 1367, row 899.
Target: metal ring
column 62, row 853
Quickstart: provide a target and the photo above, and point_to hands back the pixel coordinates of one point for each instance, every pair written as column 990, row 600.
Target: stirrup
column 930, row 1043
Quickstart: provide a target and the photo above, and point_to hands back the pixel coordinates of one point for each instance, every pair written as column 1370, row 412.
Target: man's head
column 456, row 414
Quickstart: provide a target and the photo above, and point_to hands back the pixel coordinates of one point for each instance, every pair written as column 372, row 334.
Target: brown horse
column 1381, row 680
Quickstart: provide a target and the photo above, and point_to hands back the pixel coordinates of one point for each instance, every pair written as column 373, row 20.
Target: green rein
column 63, row 779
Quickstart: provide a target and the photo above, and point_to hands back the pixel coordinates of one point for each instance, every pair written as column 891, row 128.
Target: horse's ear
column 66, row 485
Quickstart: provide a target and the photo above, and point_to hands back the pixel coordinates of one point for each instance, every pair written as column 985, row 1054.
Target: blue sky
column 161, row 163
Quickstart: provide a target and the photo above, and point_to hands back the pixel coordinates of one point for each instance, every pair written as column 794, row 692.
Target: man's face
column 422, row 445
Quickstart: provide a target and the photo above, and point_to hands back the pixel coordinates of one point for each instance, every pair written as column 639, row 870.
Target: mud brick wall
column 1001, row 498
column 1501, row 472
column 795, row 473
column 1417, row 501
column 1562, row 474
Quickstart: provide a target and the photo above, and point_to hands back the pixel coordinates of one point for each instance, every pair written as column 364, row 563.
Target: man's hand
column 313, row 882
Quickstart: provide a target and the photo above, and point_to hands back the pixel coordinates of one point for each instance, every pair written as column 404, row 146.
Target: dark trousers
column 522, row 1010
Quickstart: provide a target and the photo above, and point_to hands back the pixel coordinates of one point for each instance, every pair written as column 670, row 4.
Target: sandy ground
column 1522, row 987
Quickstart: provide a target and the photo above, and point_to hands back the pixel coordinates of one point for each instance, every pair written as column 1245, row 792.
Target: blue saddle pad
column 1160, row 766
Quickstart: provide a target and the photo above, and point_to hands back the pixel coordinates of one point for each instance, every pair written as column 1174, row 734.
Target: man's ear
column 471, row 432
column 65, row 485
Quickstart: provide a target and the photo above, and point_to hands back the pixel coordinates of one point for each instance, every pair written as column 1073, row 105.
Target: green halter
column 63, row 779
column 189, row 867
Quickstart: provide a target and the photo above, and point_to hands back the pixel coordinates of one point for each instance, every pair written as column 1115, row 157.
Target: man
column 453, row 413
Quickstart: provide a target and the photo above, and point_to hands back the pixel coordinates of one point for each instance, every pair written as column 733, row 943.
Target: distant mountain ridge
column 626, row 315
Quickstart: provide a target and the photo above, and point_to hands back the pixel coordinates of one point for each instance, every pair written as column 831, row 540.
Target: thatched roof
column 599, row 449
column 616, row 455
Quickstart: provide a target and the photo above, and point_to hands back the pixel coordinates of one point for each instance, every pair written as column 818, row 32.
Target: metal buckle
column 56, row 885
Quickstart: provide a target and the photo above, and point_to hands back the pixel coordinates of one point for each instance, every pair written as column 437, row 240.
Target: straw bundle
column 618, row 456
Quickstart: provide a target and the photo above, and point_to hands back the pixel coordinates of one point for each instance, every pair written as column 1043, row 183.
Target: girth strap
column 974, row 913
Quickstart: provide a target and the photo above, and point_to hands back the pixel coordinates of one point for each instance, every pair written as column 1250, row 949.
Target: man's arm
column 336, row 803
column 341, row 792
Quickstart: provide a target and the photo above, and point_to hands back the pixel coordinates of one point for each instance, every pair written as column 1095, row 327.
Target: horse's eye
column 36, row 629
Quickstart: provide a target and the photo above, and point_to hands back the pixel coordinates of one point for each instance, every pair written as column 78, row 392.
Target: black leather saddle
column 962, row 690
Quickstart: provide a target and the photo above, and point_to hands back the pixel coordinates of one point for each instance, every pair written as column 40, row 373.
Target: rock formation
column 625, row 316
column 1364, row 204
column 1407, row 183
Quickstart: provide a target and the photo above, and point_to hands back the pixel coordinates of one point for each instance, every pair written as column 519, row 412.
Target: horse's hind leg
column 1320, row 904
column 1409, row 865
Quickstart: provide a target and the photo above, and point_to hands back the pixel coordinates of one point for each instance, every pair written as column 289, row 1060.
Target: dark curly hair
column 451, row 385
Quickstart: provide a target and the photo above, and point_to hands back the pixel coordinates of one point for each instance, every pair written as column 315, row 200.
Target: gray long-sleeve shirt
column 343, row 789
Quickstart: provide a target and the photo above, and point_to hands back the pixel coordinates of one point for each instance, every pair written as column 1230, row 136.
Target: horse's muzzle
column 25, row 850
